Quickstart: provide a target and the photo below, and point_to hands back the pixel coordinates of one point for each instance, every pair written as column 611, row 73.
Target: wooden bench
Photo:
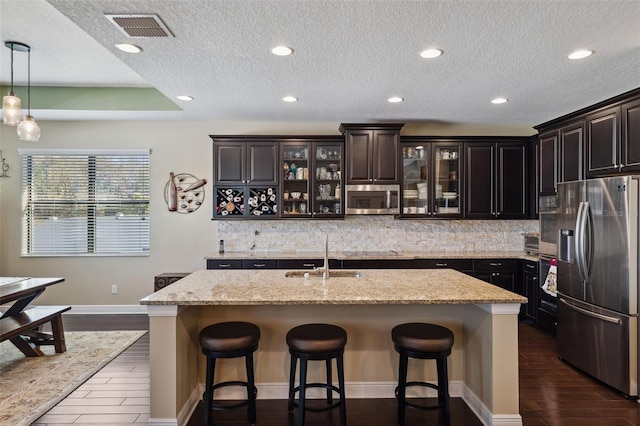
column 23, row 329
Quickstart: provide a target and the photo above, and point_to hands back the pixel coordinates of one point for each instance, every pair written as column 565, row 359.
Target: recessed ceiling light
column 395, row 99
column 431, row 53
column 290, row 99
column 499, row 100
column 579, row 54
column 185, row 97
column 129, row 48
column 282, row 51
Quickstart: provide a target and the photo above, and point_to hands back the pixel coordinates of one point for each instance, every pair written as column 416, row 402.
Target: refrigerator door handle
column 579, row 241
column 588, row 240
column 591, row 314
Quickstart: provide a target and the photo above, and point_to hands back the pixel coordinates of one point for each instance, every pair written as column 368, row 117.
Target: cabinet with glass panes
column 430, row 178
column 295, row 179
column 328, row 180
column 312, row 180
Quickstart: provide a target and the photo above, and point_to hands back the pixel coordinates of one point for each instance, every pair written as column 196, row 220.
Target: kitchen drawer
column 457, row 264
column 530, row 266
column 259, row 264
column 377, row 264
column 495, row 264
column 307, row 263
column 224, row 264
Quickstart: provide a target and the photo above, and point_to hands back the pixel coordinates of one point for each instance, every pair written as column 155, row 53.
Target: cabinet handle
column 531, row 266
column 441, row 265
column 309, row 264
column 535, row 278
column 259, row 265
column 495, row 263
column 224, row 265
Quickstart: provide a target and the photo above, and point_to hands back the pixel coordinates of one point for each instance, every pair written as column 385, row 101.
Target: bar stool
column 229, row 340
column 423, row 341
column 316, row 342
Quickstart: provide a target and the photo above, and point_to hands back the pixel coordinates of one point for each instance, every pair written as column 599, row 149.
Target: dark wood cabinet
column 603, row 138
column 503, row 273
column 495, row 180
column 571, row 152
column 630, row 150
column 548, row 172
column 530, row 284
column 240, row 163
column 224, row 264
column 372, row 153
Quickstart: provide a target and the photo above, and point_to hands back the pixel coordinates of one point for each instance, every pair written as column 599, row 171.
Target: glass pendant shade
column 11, row 109
column 28, row 130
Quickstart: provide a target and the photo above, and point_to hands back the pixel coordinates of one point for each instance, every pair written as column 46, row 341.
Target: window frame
column 123, row 247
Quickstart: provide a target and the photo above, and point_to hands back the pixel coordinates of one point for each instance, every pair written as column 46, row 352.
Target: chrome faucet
column 325, row 267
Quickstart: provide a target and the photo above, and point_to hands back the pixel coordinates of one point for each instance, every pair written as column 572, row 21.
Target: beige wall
column 178, row 242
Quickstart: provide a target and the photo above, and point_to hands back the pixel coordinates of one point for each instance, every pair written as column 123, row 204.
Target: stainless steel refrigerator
column 598, row 279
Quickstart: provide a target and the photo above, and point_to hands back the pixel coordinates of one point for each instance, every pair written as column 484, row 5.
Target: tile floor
column 117, row 395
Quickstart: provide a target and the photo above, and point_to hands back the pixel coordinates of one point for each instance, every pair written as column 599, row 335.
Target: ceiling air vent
column 140, row 26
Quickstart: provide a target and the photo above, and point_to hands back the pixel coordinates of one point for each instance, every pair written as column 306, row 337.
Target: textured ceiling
column 350, row 56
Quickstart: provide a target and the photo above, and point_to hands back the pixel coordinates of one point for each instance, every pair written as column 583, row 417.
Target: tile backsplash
column 374, row 233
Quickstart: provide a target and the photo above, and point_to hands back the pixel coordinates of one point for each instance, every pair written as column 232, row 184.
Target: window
column 85, row 203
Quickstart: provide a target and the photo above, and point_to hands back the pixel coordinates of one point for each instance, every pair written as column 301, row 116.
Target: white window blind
column 79, row 202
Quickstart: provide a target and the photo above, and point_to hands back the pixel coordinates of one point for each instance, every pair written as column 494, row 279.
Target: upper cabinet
column 372, row 153
column 245, row 177
column 561, row 156
column 312, row 184
column 548, row 171
column 630, row 135
column 603, row 138
column 496, row 180
column 431, row 176
column 240, row 162
column 600, row 140
column 571, row 152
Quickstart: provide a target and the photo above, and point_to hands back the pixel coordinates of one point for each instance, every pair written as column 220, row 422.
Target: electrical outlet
column 114, row 289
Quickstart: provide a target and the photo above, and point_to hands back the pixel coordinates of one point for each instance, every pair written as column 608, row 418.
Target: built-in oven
column 373, row 199
column 548, row 240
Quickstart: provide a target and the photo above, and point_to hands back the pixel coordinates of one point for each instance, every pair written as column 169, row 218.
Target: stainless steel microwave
column 373, row 199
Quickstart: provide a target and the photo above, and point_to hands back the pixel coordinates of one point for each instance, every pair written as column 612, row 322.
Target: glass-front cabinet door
column 328, row 181
column 295, row 179
column 446, row 161
column 415, row 179
column 430, row 179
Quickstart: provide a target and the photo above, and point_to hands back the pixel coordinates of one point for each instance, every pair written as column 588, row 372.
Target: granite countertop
column 380, row 254
column 377, row 287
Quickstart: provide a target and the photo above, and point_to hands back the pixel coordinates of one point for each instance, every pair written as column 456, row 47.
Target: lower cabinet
column 504, row 273
column 224, row 264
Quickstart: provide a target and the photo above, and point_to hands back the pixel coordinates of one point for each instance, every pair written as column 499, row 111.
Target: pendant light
column 28, row 129
column 11, row 104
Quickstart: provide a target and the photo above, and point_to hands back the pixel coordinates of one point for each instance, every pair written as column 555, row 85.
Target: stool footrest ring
column 420, row 406
column 318, row 385
column 229, row 406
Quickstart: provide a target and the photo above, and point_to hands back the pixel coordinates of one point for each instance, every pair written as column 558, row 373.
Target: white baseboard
column 353, row 390
column 107, row 309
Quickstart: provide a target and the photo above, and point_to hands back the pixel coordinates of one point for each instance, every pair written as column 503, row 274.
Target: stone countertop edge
column 378, row 255
column 377, row 287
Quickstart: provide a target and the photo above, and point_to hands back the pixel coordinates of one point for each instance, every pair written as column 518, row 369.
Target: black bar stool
column 229, row 340
column 423, row 341
column 316, row 342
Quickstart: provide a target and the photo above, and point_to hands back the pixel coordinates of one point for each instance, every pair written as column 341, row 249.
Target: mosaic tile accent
column 366, row 233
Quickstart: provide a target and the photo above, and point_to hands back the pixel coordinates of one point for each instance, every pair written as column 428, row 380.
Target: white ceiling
column 350, row 56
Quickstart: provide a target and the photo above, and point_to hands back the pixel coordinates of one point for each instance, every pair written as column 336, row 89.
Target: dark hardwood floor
column 552, row 393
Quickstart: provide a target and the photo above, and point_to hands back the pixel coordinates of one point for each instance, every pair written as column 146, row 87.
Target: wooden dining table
column 21, row 322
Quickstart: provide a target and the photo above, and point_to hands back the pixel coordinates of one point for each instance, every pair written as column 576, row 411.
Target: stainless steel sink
column 332, row 274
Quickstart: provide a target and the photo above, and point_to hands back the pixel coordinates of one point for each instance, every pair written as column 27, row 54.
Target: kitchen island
column 483, row 367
